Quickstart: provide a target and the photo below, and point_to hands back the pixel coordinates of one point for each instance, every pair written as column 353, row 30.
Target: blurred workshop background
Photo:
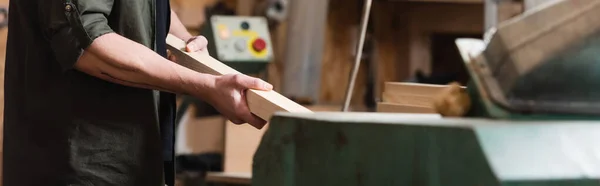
column 307, row 49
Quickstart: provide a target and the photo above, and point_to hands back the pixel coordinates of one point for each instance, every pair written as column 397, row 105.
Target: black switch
column 245, row 25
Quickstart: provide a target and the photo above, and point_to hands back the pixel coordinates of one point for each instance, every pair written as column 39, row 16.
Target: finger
column 237, row 121
column 247, row 82
column 196, row 44
column 250, row 118
column 257, row 122
column 170, row 56
column 245, row 114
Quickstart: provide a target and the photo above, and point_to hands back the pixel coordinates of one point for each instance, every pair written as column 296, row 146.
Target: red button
column 259, row 45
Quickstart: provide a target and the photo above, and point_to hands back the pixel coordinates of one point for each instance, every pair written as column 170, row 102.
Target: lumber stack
column 415, row 98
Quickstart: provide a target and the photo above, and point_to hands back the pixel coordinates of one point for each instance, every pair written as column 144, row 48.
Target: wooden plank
column 397, row 108
column 407, row 99
column 427, row 90
column 262, row 103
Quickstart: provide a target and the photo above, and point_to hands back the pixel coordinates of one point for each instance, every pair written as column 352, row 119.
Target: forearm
column 116, row 59
column 178, row 29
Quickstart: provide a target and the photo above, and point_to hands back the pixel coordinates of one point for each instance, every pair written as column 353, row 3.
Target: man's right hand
column 229, row 97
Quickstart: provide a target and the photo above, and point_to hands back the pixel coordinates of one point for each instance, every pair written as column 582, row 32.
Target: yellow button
column 224, row 34
column 221, row 27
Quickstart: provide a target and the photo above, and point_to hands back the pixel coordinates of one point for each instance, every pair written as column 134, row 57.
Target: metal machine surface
column 242, row 42
column 378, row 149
column 399, row 149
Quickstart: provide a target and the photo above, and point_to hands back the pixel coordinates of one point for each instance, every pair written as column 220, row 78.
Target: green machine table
column 534, row 119
column 422, row 150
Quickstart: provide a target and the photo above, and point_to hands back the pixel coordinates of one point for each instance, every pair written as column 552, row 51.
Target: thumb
column 191, row 47
column 253, row 83
column 196, row 43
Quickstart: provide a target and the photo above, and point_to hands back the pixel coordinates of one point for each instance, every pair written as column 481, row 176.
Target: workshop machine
column 533, row 121
column 241, row 42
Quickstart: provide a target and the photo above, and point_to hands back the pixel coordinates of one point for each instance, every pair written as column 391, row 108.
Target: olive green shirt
column 64, row 127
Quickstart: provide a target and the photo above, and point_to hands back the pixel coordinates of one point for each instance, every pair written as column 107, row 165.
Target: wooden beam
column 410, row 109
column 406, row 99
column 262, row 103
column 427, row 90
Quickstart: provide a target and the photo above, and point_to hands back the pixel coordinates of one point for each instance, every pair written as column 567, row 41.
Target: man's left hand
column 196, row 44
column 193, row 44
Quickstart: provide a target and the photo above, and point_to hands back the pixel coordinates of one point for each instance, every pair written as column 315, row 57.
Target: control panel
column 240, row 39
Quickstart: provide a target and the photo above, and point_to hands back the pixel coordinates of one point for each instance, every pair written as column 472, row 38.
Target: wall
column 401, row 35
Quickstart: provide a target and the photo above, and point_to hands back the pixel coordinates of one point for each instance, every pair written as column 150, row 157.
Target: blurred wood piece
column 399, row 108
column 427, row 90
column 406, row 99
column 262, row 103
column 453, row 101
column 419, row 98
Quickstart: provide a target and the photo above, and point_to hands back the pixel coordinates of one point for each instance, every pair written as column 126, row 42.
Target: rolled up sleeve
column 70, row 26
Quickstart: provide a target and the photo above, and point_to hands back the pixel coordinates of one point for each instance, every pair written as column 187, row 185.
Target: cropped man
column 82, row 100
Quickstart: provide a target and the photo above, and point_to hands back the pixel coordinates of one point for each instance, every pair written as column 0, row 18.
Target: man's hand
column 196, row 44
column 229, row 98
column 193, row 44
column 228, row 95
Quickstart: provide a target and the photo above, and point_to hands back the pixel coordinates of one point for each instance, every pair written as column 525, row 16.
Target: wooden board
column 262, row 103
column 407, row 99
column 398, row 108
column 427, row 90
